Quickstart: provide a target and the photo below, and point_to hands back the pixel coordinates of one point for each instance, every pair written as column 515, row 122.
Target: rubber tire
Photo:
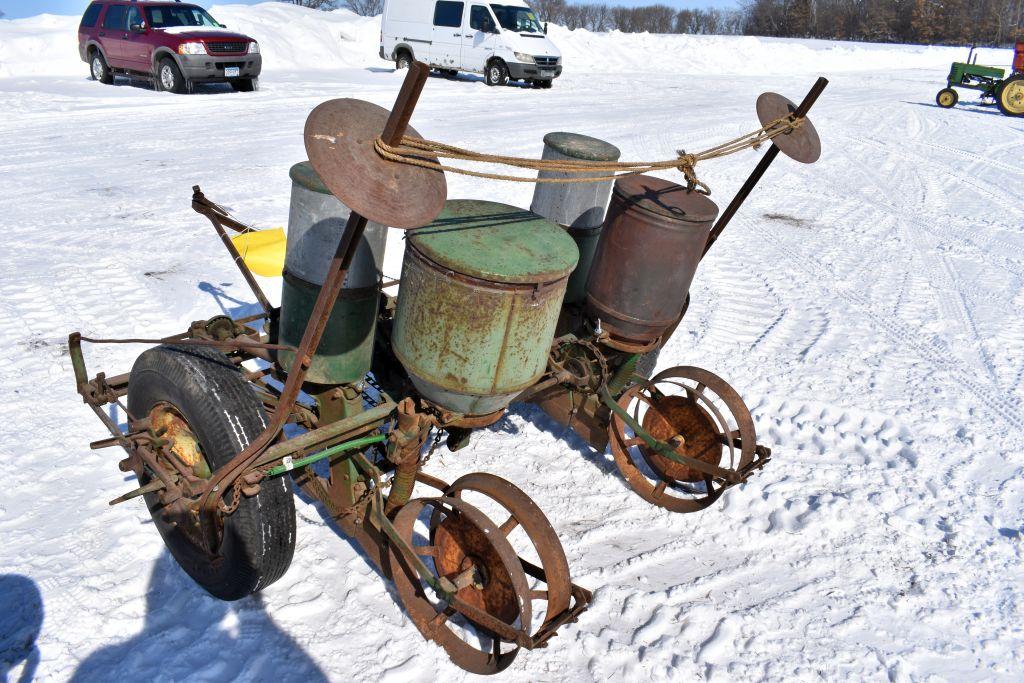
column 944, row 91
column 106, row 76
column 999, row 95
column 403, row 60
column 178, row 86
column 546, row 85
column 224, row 413
column 245, row 85
column 496, row 73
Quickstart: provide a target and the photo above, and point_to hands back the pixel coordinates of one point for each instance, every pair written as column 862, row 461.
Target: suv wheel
column 496, row 73
column 100, row 70
column 169, row 77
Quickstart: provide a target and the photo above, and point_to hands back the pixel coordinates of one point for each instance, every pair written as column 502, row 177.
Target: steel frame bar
column 394, row 129
column 762, row 166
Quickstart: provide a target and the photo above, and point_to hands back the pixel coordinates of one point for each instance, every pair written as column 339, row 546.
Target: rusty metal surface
column 732, row 433
column 470, row 344
column 671, row 416
column 339, row 139
column 650, row 246
column 481, row 539
column 801, row 144
column 523, row 512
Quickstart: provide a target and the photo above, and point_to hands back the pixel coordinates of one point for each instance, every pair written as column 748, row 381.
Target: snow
column 869, row 308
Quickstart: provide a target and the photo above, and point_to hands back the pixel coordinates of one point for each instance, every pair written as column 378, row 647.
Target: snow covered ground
column 869, row 308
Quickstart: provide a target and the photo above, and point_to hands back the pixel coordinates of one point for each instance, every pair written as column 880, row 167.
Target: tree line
column 949, row 22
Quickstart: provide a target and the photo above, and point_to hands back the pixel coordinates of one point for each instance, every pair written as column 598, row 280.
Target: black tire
column 403, row 60
column 496, row 73
column 546, row 84
column 225, row 415
column 99, row 69
column 245, row 85
column 947, row 98
column 1010, row 96
column 169, row 78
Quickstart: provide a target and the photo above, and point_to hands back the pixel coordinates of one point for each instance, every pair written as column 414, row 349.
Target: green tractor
column 1008, row 92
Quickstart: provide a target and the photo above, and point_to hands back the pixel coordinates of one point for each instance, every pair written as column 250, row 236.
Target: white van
column 502, row 40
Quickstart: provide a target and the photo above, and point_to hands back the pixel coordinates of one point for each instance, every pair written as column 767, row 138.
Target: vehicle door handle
column 102, row 33
column 468, row 35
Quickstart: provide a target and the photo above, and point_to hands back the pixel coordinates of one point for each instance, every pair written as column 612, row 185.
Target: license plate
column 231, row 71
column 547, row 72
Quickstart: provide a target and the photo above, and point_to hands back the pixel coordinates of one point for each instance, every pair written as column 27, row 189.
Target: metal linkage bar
column 394, row 129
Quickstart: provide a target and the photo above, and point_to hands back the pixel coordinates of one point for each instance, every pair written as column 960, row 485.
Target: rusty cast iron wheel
column 471, row 551
column 802, row 144
column 693, row 423
column 339, row 139
column 523, row 512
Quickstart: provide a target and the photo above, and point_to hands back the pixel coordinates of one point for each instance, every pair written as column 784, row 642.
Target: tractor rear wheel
column 947, row 98
column 199, row 400
column 1010, row 96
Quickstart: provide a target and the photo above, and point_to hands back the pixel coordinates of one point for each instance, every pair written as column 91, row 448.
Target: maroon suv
column 173, row 43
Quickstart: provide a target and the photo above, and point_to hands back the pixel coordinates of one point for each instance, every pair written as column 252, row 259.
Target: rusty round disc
column 469, row 537
column 662, row 491
column 525, row 513
column 671, row 416
column 463, row 550
column 339, row 139
column 802, row 144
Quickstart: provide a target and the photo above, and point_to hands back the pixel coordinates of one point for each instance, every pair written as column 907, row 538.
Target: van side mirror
column 137, row 28
column 545, row 28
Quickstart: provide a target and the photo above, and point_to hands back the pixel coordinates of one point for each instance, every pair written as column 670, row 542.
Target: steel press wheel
column 1010, row 96
column 197, row 398
column 947, row 98
column 471, row 551
column 529, row 531
column 697, row 414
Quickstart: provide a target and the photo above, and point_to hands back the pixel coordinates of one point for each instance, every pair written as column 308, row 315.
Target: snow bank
column 300, row 39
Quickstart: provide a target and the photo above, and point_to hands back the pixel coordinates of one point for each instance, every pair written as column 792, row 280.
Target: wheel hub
column 466, row 556
column 680, row 418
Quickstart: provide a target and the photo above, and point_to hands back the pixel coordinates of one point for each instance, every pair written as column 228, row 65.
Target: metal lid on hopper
column 665, row 198
column 582, row 147
column 496, row 242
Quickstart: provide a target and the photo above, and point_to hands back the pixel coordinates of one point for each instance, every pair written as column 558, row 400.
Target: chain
column 433, row 446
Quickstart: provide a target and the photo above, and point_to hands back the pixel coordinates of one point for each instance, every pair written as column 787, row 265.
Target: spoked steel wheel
column 531, row 535
column 468, row 549
column 695, row 414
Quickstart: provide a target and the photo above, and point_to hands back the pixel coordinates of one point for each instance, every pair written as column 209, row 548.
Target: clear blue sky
column 14, row 9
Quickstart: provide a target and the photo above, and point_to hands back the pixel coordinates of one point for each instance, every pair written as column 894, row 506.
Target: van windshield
column 183, row 15
column 518, row 19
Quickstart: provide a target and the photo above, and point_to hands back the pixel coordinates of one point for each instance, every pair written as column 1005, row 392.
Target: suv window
column 178, row 15
column 134, row 17
column 115, row 17
column 480, row 19
column 92, row 13
column 447, row 13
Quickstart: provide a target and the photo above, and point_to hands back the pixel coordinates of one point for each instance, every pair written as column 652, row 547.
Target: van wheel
column 403, row 60
column 245, row 85
column 496, row 73
column 210, row 414
column 169, row 76
column 100, row 70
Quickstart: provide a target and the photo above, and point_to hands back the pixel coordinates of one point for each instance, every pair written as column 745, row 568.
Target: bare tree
column 314, row 4
column 365, row 8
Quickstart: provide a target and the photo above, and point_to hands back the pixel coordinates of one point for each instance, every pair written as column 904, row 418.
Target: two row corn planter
column 343, row 388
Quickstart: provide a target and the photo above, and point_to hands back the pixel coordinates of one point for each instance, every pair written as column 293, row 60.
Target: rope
column 417, row 152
